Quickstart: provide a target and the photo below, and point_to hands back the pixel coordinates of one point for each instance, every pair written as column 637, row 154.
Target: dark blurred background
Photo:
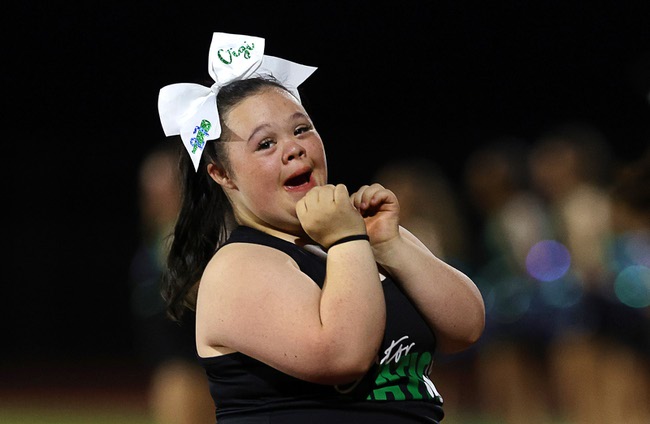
column 432, row 79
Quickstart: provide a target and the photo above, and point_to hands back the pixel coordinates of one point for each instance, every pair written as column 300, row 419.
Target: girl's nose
column 293, row 150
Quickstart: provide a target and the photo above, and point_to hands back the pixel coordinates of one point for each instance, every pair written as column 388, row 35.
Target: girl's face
column 275, row 156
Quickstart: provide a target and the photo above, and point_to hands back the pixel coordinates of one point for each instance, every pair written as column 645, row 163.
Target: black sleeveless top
column 395, row 390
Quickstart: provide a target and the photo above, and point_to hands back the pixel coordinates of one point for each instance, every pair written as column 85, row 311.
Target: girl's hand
column 327, row 214
column 379, row 208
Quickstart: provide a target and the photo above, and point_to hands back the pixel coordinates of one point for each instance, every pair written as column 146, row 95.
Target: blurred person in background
column 509, row 219
column 570, row 166
column 178, row 389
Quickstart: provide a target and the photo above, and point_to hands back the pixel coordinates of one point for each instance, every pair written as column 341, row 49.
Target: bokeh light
column 548, row 260
column 632, row 286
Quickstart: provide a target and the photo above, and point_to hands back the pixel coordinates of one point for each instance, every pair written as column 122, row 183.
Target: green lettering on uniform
column 409, row 370
column 416, row 369
column 380, row 394
column 385, row 375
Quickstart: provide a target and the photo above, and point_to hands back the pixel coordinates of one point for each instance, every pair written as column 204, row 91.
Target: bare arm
column 450, row 302
column 448, row 299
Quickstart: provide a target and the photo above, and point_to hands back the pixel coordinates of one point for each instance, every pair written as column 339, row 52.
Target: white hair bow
column 191, row 109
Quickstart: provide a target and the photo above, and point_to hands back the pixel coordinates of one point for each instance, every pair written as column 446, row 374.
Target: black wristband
column 350, row 238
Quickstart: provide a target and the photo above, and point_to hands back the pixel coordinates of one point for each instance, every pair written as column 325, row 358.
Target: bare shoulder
column 244, row 294
column 244, row 262
column 243, row 252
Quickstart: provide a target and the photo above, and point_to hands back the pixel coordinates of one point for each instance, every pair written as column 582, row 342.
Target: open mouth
column 298, row 180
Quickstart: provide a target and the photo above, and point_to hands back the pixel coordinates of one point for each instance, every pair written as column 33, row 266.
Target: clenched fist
column 327, row 214
column 380, row 210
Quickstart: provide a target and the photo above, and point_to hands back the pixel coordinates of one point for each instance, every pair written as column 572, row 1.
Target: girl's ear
column 220, row 176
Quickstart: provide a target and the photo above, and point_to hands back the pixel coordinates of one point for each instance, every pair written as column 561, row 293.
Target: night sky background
column 401, row 79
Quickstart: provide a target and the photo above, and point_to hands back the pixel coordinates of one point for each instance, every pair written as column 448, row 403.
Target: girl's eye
column 265, row 144
column 302, row 129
